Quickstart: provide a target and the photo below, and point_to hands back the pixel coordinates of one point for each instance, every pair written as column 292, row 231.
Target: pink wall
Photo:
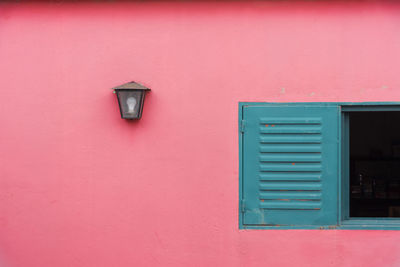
column 80, row 187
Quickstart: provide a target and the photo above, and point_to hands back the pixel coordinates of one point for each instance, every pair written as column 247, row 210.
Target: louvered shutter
column 290, row 165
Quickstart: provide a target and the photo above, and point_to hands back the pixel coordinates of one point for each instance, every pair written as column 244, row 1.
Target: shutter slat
column 286, row 120
column 295, row 185
column 290, row 130
column 290, row 148
column 283, row 139
column 290, row 195
column 291, row 167
column 302, row 205
column 290, row 157
column 290, row 176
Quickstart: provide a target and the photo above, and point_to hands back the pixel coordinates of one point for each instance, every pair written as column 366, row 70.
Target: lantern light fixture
column 131, row 99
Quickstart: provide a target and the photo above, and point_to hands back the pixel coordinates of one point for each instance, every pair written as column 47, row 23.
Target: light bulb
column 131, row 102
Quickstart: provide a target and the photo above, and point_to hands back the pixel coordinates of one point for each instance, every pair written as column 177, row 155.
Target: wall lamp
column 131, row 99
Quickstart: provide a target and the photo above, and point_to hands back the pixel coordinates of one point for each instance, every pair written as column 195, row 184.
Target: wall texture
column 79, row 187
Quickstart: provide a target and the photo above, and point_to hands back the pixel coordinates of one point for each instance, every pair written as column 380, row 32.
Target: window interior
column 374, row 164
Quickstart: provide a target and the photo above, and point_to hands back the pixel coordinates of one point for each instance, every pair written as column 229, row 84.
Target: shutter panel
column 290, row 165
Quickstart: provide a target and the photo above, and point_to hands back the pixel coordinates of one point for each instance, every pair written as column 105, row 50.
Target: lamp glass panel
column 130, row 103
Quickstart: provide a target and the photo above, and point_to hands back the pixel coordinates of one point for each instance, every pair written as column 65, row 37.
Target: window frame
column 347, row 222
column 344, row 220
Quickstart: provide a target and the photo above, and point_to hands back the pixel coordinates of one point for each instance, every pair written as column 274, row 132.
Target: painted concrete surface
column 81, row 187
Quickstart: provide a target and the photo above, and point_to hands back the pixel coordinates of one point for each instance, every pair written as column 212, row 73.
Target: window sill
column 349, row 224
column 371, row 224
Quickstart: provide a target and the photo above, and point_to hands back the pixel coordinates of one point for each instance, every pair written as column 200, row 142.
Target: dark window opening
column 374, row 164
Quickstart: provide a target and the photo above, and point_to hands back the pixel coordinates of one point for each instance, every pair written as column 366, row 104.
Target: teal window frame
column 344, row 220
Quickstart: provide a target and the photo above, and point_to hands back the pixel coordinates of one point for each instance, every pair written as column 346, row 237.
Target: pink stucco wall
column 79, row 187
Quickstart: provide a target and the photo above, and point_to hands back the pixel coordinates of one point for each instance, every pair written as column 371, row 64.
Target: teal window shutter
column 289, row 165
